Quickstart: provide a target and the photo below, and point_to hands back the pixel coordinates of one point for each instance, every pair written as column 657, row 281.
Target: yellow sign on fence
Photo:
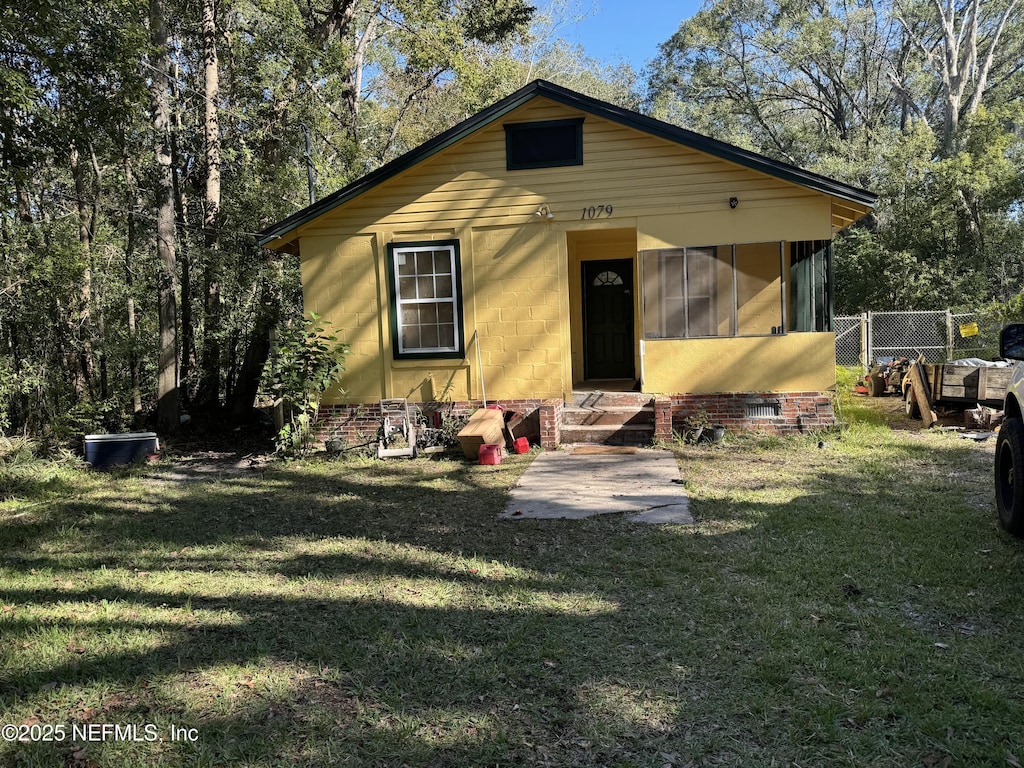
column 968, row 329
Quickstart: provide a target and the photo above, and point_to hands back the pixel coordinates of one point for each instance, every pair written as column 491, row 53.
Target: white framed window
column 426, row 299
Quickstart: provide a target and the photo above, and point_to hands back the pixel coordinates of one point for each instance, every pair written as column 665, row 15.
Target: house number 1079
column 596, row 212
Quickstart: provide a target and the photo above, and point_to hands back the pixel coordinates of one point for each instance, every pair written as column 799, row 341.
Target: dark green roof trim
column 593, row 106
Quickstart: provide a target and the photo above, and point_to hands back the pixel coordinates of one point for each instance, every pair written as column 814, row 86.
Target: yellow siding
column 683, row 194
column 796, row 218
column 339, row 279
column 798, row 362
column 521, row 273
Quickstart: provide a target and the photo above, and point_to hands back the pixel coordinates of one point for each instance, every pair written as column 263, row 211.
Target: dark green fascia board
column 593, row 106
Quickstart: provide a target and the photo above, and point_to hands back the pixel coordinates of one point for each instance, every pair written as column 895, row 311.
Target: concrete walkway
column 577, row 483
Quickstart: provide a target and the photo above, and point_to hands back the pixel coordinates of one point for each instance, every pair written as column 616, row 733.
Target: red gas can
column 490, row 453
column 521, row 445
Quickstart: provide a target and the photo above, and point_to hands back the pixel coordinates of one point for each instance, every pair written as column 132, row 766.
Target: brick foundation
column 774, row 412
column 663, row 418
column 551, row 424
column 358, row 424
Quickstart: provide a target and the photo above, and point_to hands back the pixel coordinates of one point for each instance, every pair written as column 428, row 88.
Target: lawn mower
column 886, row 376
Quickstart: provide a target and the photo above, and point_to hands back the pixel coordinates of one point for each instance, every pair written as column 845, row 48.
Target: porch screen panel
column 758, row 289
column 687, row 292
column 824, row 309
column 664, row 294
column 810, row 286
column 700, row 291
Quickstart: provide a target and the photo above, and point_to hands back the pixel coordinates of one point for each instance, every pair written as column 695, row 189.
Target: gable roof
column 572, row 99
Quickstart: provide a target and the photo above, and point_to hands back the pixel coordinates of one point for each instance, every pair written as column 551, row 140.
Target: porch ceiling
column 845, row 213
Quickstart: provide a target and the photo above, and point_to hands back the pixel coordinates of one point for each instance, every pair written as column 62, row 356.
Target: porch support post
column 551, row 424
column 662, row 418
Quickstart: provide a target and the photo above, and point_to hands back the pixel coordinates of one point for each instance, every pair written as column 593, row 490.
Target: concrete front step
column 633, row 434
column 611, row 416
column 608, row 418
column 599, row 399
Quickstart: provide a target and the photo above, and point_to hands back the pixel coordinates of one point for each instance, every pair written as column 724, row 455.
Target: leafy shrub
column 308, row 363
column 26, row 467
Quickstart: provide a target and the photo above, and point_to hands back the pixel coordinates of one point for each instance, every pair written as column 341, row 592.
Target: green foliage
column 78, row 272
column 993, row 316
column 308, row 362
column 857, row 92
column 29, row 470
column 945, row 231
column 491, row 21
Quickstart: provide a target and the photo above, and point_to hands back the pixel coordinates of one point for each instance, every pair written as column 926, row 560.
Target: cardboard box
column 485, row 426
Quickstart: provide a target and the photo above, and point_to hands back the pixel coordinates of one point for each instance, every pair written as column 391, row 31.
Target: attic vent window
column 545, row 144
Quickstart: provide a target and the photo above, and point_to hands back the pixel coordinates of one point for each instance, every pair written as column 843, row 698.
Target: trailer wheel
column 1009, row 478
column 911, row 406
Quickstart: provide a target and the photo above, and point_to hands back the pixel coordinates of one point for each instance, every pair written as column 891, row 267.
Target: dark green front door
column 608, row 319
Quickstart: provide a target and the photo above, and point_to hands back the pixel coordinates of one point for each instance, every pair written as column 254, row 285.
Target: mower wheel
column 876, row 385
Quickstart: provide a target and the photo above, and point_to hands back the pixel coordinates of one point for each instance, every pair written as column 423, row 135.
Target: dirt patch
column 893, row 409
column 212, row 459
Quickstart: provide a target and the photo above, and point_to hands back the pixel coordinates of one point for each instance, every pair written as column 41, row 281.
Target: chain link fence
column 939, row 335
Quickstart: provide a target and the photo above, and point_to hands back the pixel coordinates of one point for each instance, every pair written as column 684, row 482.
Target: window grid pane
column 427, row 312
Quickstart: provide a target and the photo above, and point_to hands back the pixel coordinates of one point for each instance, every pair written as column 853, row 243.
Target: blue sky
column 628, row 29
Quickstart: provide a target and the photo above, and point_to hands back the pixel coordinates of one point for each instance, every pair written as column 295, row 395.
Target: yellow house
column 553, row 248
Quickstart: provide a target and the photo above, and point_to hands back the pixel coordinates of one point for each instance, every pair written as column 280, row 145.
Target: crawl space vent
column 762, row 410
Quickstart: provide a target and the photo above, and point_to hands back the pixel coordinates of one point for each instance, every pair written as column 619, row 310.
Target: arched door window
column 608, row 278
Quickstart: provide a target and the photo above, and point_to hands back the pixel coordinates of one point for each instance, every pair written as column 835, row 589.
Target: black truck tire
column 1009, row 471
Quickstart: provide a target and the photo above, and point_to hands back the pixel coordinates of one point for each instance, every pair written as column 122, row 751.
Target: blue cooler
column 108, row 450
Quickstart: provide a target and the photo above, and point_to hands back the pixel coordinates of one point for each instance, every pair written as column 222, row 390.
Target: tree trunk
column 209, row 386
column 243, row 395
column 965, row 72
column 183, row 251
column 97, row 295
column 82, row 328
column 129, row 258
column 167, row 361
column 354, row 86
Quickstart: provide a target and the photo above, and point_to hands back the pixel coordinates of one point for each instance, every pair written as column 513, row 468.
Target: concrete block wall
column 517, row 308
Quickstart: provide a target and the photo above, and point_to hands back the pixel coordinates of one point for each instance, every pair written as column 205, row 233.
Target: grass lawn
column 841, row 601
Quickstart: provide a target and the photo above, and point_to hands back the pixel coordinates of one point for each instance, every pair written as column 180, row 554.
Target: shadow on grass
column 373, row 613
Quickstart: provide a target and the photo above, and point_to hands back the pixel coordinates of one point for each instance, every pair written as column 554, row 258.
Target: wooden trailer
column 951, row 384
